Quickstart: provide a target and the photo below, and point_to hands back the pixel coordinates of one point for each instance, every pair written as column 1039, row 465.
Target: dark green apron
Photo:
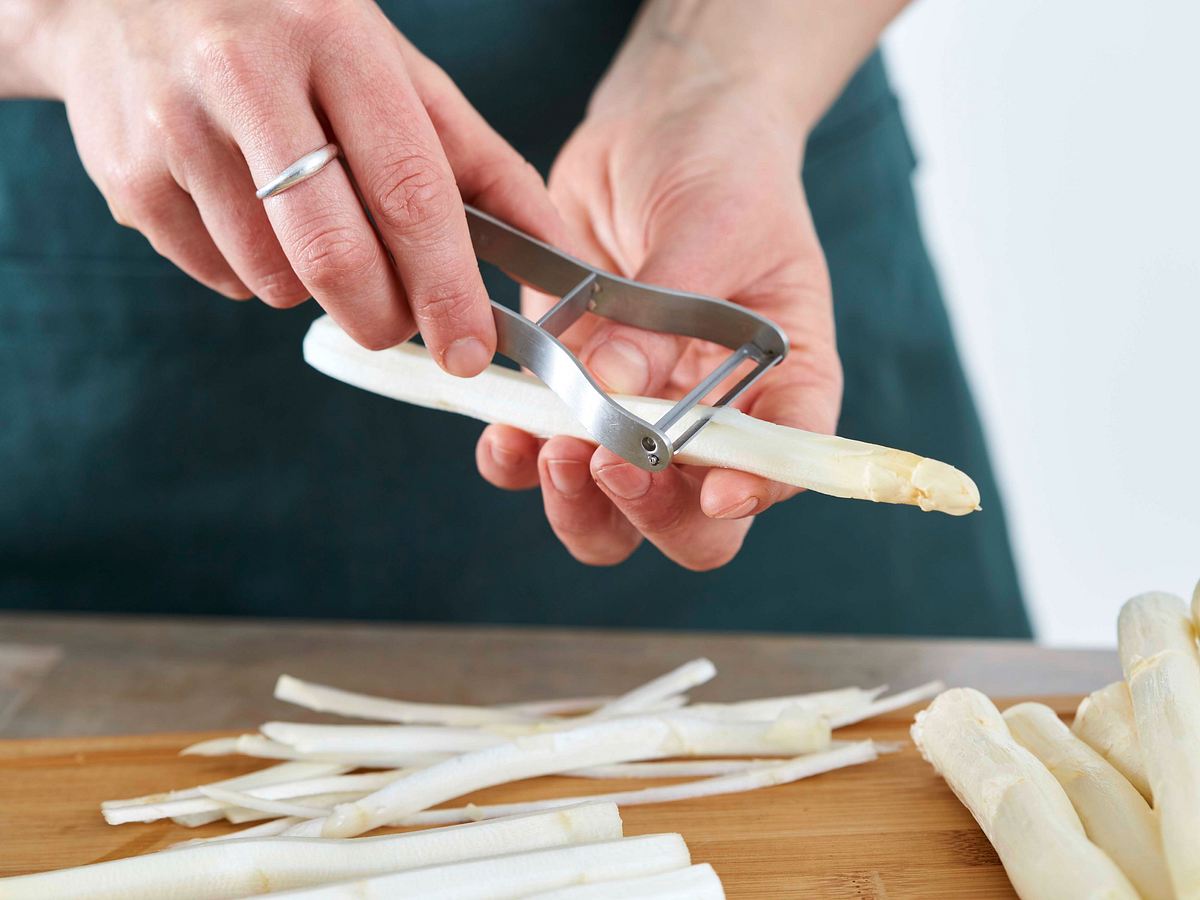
column 163, row 449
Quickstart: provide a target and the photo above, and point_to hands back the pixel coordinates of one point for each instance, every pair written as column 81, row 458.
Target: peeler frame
column 584, row 288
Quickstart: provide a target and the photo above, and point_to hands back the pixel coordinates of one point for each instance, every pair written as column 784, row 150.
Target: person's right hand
column 181, row 109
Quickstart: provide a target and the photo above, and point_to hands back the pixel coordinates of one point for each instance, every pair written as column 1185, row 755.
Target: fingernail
column 738, row 510
column 622, row 367
column 466, row 357
column 504, row 457
column 625, row 480
column 568, row 476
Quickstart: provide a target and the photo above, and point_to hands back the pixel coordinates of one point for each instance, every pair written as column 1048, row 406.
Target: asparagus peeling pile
column 330, row 784
column 824, row 463
column 1109, row 807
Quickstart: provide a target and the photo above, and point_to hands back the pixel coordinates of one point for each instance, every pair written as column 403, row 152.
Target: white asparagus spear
column 1157, row 643
column 736, row 783
column 697, row 882
column 1196, row 606
column 518, row 874
column 731, row 439
column 591, row 744
column 230, row 869
column 678, row 681
column 322, row 698
column 1115, row 816
column 1104, row 721
column 1016, row 801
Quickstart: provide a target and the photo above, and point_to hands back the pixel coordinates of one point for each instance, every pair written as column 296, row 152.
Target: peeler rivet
column 652, row 459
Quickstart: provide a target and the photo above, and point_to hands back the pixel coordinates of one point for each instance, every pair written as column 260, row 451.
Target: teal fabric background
column 164, row 449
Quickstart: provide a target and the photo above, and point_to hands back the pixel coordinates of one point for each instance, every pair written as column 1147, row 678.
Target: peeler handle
column 584, row 288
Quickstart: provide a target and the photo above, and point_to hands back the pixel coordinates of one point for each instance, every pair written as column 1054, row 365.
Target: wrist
column 26, row 59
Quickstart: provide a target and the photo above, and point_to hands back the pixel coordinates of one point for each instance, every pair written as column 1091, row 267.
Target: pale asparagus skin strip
column 1018, row 804
column 896, row 701
column 380, row 740
column 321, row 698
column 697, row 882
column 518, row 874
column 1196, row 606
column 678, row 681
column 203, row 804
column 824, row 463
column 827, row 703
column 737, row 783
column 673, row 768
column 229, row 869
column 277, row 774
column 537, row 709
column 1104, row 721
column 270, row 828
column 1157, row 643
column 1115, row 816
column 258, row 746
column 257, row 805
column 629, row 739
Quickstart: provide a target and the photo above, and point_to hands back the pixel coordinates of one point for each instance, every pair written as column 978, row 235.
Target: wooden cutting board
column 890, row 829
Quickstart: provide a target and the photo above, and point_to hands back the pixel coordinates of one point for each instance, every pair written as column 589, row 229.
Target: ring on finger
column 301, row 170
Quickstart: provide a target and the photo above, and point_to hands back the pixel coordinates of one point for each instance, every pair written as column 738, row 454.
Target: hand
column 180, row 109
column 704, row 195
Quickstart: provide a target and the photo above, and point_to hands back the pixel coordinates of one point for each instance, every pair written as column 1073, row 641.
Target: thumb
column 690, row 256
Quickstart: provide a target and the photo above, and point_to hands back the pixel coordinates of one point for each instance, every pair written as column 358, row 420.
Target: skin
column 180, row 110
column 685, row 173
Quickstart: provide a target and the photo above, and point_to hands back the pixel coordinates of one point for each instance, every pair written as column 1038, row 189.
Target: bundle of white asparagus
column 1109, row 807
column 332, row 783
column 824, row 463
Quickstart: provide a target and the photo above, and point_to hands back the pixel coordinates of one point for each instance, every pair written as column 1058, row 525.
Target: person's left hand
column 700, row 194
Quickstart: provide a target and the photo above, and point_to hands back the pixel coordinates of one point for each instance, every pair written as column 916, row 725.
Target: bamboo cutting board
column 890, row 829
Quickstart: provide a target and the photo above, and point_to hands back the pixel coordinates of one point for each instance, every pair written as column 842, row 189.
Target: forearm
column 796, row 54
column 24, row 34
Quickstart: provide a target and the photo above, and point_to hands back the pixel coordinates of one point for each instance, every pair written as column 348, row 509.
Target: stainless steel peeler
column 584, row 288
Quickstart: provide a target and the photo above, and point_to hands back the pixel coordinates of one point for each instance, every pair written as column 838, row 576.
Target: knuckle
column 381, row 336
column 449, row 300
column 137, row 194
column 411, row 194
column 280, row 290
column 328, row 255
column 711, row 556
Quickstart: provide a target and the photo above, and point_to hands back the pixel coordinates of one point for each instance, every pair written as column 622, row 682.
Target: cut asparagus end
column 1017, row 802
column 1115, row 816
column 1157, row 645
column 1104, row 721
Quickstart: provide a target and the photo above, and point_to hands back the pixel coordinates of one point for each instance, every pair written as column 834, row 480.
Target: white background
column 1059, row 182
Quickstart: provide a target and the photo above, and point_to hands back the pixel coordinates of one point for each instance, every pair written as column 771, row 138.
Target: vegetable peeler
column 585, row 288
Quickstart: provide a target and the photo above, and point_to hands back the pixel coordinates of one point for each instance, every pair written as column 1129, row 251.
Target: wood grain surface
column 143, row 674
column 889, row 829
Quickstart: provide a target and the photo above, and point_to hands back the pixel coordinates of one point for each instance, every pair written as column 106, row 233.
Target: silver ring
column 301, row 170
